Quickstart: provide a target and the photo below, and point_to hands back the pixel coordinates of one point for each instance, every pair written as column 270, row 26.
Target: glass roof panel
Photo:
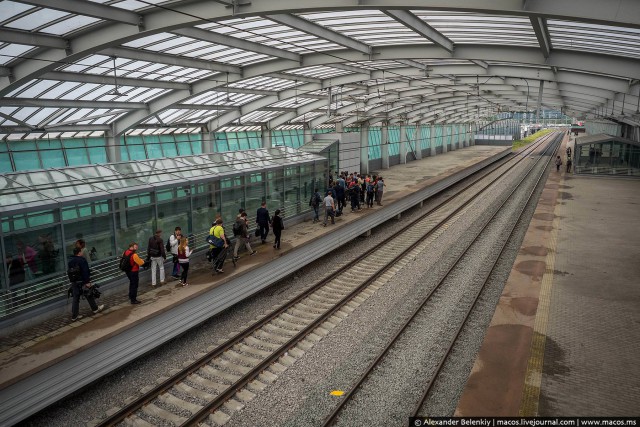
column 70, row 25
column 35, row 90
column 37, row 19
column 9, row 9
column 52, row 184
column 12, row 193
column 594, row 38
column 10, row 52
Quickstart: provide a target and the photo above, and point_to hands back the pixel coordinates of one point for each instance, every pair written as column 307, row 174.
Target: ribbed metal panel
column 44, row 388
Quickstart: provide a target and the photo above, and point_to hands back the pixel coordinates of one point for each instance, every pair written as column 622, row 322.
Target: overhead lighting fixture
column 115, row 91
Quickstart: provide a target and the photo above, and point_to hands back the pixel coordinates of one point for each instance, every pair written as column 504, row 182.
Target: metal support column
column 444, row 139
column 417, row 143
column 364, row 148
column 403, row 144
column 539, row 106
column 432, row 141
column 384, row 145
column 266, row 137
column 113, row 147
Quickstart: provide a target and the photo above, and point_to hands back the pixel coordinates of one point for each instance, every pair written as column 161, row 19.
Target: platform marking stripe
column 535, row 364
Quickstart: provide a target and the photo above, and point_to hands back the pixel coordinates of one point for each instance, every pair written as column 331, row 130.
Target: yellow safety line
column 533, row 376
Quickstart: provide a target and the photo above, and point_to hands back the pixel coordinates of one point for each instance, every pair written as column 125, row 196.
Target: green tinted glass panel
column 375, row 136
column 22, row 145
column 26, row 161
column 5, row 163
column 196, row 146
column 184, row 148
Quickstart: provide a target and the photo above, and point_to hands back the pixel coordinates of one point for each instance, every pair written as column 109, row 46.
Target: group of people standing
column 359, row 188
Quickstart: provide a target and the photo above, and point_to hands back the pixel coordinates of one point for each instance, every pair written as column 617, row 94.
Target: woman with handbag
column 183, row 258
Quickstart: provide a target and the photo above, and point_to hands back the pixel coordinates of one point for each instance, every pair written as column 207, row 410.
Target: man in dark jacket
column 80, row 280
column 157, row 252
column 243, row 237
column 262, row 219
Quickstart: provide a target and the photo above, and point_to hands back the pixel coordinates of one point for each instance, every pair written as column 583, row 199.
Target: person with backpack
column 156, row 251
column 80, row 279
column 183, row 258
column 130, row 263
column 217, row 244
column 340, row 197
column 241, row 231
column 558, row 163
column 370, row 191
column 315, row 201
column 354, row 192
column 172, row 246
column 278, row 226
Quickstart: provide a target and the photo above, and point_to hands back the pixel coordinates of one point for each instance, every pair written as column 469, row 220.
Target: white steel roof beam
column 409, row 20
column 34, row 39
column 225, row 40
column 314, row 29
column 542, row 34
column 163, row 58
column 107, row 79
column 88, row 8
column 69, row 103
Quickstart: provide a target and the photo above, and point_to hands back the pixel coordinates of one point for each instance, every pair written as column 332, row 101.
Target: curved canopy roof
column 116, row 65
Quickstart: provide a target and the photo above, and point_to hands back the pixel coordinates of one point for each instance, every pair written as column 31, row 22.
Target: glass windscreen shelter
column 606, row 155
column 44, row 212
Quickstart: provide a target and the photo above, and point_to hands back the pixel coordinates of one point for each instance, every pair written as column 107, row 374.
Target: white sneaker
column 99, row 309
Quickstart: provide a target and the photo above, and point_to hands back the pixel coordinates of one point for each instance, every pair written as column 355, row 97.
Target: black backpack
column 74, row 274
column 315, row 200
column 168, row 246
column 237, row 228
column 125, row 262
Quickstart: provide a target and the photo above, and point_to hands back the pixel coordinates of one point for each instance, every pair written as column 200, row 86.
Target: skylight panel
column 70, row 25
column 37, row 89
column 37, row 19
column 9, row 9
column 149, row 40
column 130, row 5
column 12, row 51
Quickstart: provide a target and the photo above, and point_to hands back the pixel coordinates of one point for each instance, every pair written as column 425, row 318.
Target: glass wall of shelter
column 45, row 212
column 606, row 154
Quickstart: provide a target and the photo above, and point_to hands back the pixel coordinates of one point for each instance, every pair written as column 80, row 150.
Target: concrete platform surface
column 28, row 351
column 565, row 335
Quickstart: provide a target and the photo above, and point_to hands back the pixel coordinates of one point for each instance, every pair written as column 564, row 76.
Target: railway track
column 210, row 389
column 333, row 417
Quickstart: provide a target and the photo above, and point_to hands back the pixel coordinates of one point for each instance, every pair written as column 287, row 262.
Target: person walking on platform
column 262, row 219
column 558, row 163
column 217, row 231
column 174, row 241
column 569, row 162
column 278, row 226
column 80, row 278
column 183, row 258
column 379, row 190
column 135, row 263
column 355, row 196
column 329, row 209
column 156, row 251
column 242, row 228
column 315, row 202
column 340, row 196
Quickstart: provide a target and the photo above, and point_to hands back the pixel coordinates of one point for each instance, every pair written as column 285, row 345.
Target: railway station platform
column 34, row 361
column 564, row 338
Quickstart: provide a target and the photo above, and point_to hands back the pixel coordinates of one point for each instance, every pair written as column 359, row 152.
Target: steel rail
column 444, row 358
column 199, row 416
column 193, row 367
column 331, row 418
